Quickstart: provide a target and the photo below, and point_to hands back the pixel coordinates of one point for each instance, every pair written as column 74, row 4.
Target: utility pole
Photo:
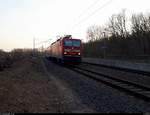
column 104, row 47
column 43, row 44
column 33, row 46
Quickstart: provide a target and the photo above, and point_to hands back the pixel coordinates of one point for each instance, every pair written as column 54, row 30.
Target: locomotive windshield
column 67, row 43
column 75, row 43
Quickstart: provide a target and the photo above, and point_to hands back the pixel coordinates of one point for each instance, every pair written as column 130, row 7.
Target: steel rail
column 146, row 73
column 136, row 90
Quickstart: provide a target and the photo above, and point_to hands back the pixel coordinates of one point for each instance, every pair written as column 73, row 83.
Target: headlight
column 79, row 53
column 65, row 52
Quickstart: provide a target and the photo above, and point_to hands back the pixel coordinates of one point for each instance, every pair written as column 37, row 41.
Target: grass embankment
column 26, row 88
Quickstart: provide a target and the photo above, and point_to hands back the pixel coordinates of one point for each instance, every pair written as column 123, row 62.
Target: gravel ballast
column 94, row 95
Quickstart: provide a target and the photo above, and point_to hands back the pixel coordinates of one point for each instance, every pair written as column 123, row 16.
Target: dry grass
column 26, row 88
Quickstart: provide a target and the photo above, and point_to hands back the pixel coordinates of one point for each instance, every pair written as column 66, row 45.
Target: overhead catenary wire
column 95, row 11
column 88, row 8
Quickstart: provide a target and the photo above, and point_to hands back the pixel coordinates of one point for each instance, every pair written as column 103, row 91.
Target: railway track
column 120, row 68
column 131, row 88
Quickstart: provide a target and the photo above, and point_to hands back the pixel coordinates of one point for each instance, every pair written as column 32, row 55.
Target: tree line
column 8, row 58
column 121, row 37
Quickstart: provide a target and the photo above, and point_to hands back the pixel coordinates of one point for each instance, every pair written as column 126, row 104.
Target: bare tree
column 95, row 33
column 117, row 25
column 141, row 30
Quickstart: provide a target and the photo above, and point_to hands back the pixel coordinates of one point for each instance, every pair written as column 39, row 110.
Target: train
column 65, row 50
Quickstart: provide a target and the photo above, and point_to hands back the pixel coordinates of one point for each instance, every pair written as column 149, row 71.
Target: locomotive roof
column 65, row 37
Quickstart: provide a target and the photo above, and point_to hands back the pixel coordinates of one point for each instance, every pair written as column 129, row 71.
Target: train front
column 72, row 50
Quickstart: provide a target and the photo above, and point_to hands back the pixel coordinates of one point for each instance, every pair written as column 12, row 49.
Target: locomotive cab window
column 76, row 43
column 67, row 43
column 72, row 43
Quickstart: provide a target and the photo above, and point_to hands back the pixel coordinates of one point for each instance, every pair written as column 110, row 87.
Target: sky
column 21, row 21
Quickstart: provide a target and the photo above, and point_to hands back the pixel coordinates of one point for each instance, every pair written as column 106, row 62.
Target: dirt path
column 27, row 88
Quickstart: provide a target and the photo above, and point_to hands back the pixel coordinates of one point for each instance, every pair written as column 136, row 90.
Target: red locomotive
column 65, row 49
